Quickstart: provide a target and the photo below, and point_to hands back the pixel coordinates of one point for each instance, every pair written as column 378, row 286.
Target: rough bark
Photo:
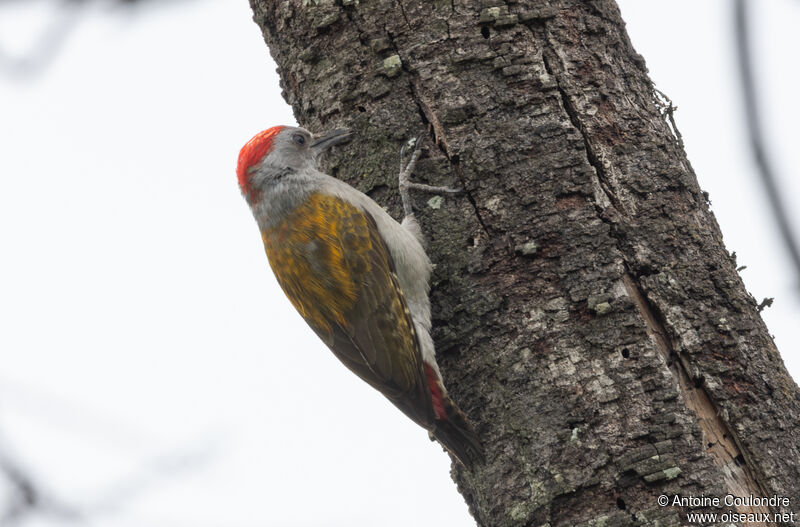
column 587, row 315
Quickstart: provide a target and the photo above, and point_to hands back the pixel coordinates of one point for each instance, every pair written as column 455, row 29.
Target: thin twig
column 755, row 132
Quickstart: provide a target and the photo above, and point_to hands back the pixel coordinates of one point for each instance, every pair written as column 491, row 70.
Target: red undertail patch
column 436, row 394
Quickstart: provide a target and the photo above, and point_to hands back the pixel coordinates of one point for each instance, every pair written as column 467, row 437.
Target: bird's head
column 281, row 149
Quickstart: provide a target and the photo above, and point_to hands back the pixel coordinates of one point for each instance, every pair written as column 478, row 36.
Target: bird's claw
column 405, row 174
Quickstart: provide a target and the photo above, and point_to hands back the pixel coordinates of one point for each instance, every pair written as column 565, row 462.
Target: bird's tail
column 456, row 434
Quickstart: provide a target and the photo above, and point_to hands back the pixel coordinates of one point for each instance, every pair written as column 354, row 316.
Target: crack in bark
column 427, row 114
column 722, row 443
column 440, row 141
column 402, row 10
column 437, row 135
column 591, row 156
column 724, row 446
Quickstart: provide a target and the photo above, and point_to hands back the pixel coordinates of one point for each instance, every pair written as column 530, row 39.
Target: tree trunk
column 587, row 316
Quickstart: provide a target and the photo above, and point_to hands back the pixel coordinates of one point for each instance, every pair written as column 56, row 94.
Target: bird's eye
column 299, row 139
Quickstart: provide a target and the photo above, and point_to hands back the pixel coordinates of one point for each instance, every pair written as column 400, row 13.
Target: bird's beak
column 324, row 141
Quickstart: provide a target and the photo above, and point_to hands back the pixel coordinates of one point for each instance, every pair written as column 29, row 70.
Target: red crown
column 253, row 152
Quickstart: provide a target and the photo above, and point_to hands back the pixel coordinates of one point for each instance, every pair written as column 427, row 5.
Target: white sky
column 153, row 372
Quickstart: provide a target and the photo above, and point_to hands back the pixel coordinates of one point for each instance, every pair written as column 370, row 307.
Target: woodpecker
column 359, row 278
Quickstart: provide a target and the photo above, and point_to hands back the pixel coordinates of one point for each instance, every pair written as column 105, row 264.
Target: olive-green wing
column 332, row 263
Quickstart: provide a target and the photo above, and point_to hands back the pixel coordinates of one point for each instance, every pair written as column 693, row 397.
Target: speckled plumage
column 331, row 262
column 359, row 278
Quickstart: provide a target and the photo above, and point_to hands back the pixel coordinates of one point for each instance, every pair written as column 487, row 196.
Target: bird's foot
column 405, row 174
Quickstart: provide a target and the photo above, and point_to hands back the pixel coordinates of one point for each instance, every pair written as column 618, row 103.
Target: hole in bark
column 739, row 459
column 485, row 31
column 423, row 116
column 625, row 352
column 378, row 192
column 645, row 270
column 699, row 381
column 621, row 504
column 673, row 357
column 628, row 478
column 334, row 171
column 471, row 242
column 361, row 109
column 709, row 445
